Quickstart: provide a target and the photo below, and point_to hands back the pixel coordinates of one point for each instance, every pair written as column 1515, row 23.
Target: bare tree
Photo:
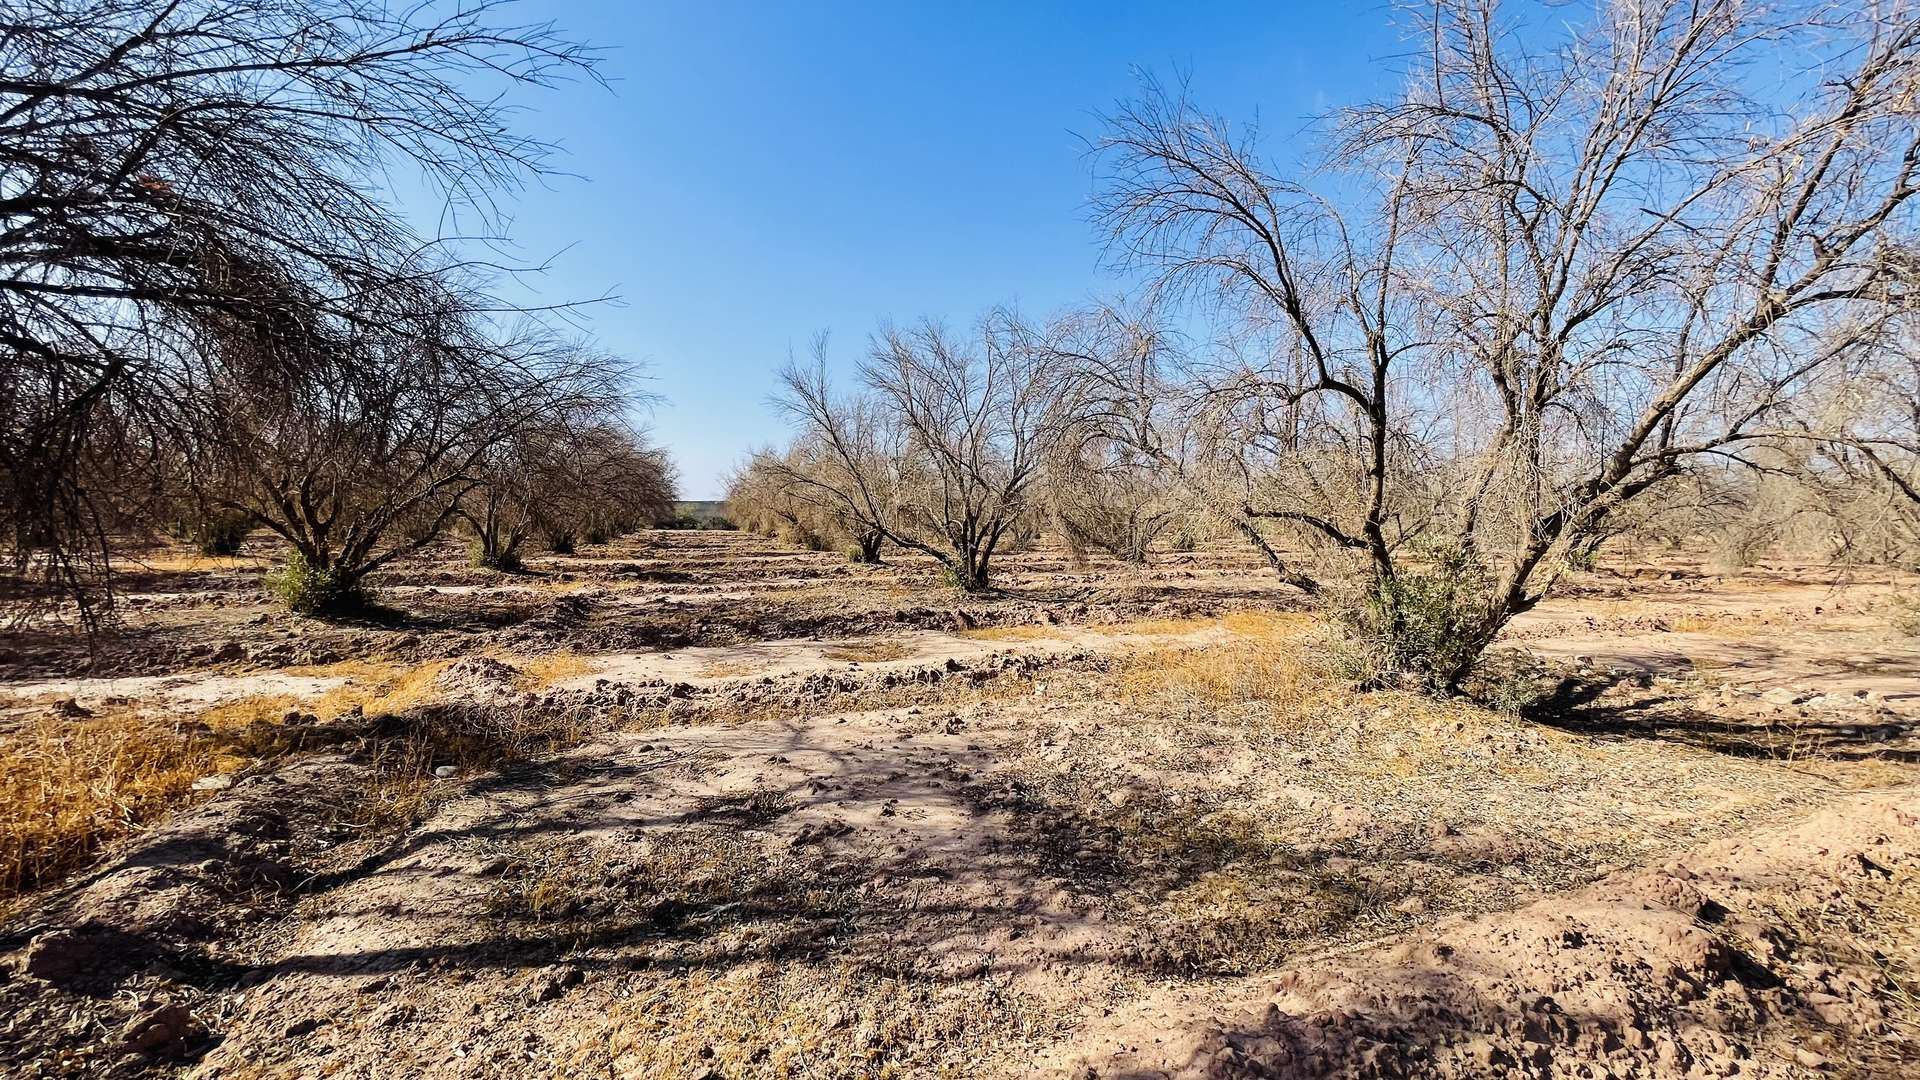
column 941, row 453
column 1562, row 274
column 136, row 129
column 565, row 464
column 1120, row 478
column 610, row 481
column 368, row 443
column 1104, row 494
column 1859, row 435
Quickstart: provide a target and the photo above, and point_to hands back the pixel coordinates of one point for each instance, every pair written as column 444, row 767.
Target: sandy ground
column 814, row 819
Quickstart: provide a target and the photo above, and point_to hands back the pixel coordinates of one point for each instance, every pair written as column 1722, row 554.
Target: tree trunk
column 867, row 548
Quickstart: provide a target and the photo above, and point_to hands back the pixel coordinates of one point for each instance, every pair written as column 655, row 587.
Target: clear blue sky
column 762, row 172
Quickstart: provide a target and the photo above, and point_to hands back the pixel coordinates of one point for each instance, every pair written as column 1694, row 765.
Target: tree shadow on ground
column 1610, row 707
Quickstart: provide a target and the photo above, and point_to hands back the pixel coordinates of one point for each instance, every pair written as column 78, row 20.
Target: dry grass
column 1263, row 658
column 1874, row 931
column 821, row 1021
column 1253, row 623
column 1722, row 624
column 868, row 652
column 1257, row 802
column 722, row 996
column 1024, row 632
column 70, row 786
column 540, row 672
column 193, row 563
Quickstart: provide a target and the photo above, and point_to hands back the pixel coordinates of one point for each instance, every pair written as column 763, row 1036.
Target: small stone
column 553, row 984
column 392, row 1016
column 159, row 1030
column 446, row 772
column 216, row 782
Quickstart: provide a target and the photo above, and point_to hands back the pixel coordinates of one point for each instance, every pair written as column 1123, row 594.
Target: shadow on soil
column 1589, row 706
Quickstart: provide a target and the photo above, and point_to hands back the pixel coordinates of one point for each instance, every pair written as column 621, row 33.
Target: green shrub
column 1424, row 625
column 222, row 534
column 506, row 560
column 310, row 590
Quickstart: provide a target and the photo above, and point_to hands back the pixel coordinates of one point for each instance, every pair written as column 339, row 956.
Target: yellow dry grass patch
column 1723, row 624
column 540, row 672
column 1025, row 632
column 69, row 786
column 1261, row 659
column 867, row 652
column 195, row 563
column 830, row 1021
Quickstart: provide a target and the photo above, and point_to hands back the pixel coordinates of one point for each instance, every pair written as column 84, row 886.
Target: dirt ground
column 698, row 805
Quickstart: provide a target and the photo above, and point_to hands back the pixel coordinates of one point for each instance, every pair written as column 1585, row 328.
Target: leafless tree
column 941, row 452
column 136, row 129
column 610, row 481
column 1859, row 435
column 368, row 443
column 568, row 467
column 1559, row 270
column 1104, row 494
column 1120, row 478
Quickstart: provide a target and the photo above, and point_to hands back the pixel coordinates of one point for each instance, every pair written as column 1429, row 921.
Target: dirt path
column 512, row 925
column 700, row 666
column 713, row 665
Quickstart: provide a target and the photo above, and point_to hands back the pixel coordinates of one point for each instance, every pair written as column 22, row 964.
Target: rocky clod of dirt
column 800, row 689
column 477, row 678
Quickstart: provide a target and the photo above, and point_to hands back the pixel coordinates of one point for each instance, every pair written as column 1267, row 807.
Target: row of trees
column 208, row 312
column 1553, row 280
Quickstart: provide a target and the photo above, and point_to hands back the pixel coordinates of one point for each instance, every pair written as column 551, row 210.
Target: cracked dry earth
column 1088, row 850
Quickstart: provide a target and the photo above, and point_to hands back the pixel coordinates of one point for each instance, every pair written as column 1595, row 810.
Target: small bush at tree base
column 506, row 560
column 311, row 590
column 222, row 535
column 804, row 538
column 1425, row 625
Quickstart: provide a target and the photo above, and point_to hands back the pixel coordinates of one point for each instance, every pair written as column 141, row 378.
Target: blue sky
column 759, row 173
